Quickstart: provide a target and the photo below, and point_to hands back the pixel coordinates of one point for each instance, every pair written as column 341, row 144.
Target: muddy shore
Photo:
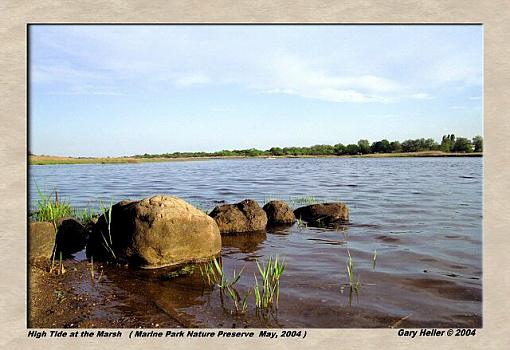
column 75, row 300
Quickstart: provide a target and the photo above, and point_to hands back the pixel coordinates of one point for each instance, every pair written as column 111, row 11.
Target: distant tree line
column 449, row 143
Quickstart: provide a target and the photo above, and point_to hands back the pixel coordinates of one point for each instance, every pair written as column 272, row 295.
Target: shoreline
column 56, row 160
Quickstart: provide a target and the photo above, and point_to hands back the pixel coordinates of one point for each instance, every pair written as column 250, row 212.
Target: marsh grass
column 354, row 283
column 93, row 273
column 107, row 214
column 87, row 215
column 49, row 209
column 59, row 269
column 301, row 224
column 294, row 201
column 240, row 303
column 213, row 274
column 267, row 294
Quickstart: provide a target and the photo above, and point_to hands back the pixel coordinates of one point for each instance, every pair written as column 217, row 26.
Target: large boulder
column 41, row 240
column 71, row 236
column 279, row 213
column 155, row 232
column 325, row 213
column 245, row 216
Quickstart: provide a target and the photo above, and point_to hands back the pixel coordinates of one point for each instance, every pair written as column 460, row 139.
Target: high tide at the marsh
column 414, row 235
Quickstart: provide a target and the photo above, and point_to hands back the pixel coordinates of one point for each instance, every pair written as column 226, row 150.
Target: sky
column 120, row 90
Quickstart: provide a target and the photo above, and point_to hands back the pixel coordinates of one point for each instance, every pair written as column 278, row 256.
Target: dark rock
column 71, row 236
column 245, row 216
column 41, row 240
column 325, row 213
column 155, row 232
column 279, row 213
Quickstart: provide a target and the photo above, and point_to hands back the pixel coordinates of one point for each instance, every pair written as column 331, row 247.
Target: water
column 422, row 215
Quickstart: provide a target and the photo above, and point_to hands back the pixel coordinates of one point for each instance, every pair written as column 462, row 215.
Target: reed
column 60, row 269
column 93, row 273
column 49, row 209
column 301, row 224
column 240, row 304
column 87, row 215
column 213, row 274
column 355, row 284
column 107, row 214
column 267, row 294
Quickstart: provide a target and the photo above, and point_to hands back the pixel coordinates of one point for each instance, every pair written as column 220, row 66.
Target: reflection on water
column 245, row 242
column 423, row 216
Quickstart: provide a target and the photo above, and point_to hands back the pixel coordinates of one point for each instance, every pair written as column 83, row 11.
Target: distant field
column 48, row 160
column 51, row 160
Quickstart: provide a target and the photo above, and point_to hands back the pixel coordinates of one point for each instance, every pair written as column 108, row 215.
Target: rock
column 325, row 213
column 245, row 216
column 41, row 240
column 279, row 213
column 155, row 232
column 71, row 236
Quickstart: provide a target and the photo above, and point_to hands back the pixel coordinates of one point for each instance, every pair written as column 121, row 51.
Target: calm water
column 422, row 215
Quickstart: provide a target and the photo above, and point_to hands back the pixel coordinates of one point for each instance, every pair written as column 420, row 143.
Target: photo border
column 14, row 19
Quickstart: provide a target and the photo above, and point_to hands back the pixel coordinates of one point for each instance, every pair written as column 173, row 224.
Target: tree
column 396, row 147
column 409, row 146
column 339, row 149
column 462, row 145
column 446, row 143
column 276, row 151
column 478, row 143
column 429, row 145
column 364, row 146
column 352, row 149
column 376, row 147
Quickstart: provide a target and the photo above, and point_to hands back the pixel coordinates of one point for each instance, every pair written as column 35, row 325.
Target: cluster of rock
column 165, row 231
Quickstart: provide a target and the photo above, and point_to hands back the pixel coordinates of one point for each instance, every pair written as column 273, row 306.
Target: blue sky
column 124, row 90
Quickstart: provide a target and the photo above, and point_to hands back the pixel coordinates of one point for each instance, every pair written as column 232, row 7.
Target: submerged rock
column 41, row 240
column 71, row 236
column 155, row 232
column 245, row 216
column 325, row 213
column 279, row 213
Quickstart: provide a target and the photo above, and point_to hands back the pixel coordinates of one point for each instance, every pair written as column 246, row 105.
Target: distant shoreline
column 55, row 160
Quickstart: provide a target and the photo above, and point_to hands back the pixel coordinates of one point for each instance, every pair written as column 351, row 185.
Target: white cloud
column 292, row 75
column 421, row 96
column 192, row 79
column 155, row 58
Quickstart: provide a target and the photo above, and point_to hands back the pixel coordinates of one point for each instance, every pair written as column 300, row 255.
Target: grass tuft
column 213, row 274
column 267, row 294
column 49, row 209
